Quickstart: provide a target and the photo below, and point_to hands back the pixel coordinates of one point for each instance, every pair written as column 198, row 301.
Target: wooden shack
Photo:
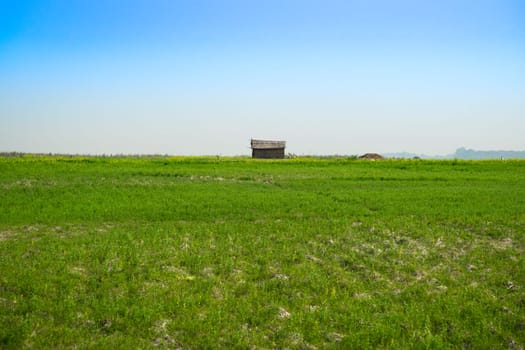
column 268, row 149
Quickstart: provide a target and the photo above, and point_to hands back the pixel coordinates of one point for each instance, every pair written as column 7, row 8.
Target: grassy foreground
column 192, row 253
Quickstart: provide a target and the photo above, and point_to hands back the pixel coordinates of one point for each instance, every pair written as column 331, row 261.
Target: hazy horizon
column 204, row 77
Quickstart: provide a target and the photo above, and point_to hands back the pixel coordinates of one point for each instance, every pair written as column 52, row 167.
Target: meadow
column 206, row 252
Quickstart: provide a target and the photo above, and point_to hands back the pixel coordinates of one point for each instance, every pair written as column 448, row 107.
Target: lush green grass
column 238, row 253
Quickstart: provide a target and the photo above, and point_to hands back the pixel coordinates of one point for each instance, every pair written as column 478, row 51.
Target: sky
column 203, row 77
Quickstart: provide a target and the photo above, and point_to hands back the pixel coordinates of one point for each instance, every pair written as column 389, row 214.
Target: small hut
column 268, row 149
column 372, row 156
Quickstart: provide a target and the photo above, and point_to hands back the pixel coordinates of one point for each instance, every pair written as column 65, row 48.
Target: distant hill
column 463, row 153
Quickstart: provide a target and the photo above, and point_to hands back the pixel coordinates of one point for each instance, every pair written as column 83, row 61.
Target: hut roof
column 266, row 144
column 371, row 156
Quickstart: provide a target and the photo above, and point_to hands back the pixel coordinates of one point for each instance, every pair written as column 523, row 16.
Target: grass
column 239, row 253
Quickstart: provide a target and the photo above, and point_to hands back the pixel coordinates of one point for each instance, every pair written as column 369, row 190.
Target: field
column 191, row 253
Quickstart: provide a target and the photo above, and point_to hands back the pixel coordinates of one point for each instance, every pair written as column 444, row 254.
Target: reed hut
column 268, row 149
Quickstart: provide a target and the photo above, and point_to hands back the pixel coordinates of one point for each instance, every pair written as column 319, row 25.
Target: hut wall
column 268, row 153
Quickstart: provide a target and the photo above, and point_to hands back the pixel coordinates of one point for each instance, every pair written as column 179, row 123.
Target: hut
column 372, row 156
column 268, row 149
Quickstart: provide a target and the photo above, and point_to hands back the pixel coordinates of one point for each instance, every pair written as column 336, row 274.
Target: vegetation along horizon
column 201, row 252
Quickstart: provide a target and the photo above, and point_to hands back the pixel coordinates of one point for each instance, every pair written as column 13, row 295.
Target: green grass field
column 192, row 253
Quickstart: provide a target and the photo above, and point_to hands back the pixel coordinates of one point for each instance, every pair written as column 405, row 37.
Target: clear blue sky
column 203, row 77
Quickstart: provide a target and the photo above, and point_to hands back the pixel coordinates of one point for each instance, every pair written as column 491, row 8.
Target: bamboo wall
column 268, row 153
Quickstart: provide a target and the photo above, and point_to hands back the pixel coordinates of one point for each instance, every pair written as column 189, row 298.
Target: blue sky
column 203, row 77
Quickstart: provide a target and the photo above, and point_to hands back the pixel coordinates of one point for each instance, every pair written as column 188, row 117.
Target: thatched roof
column 266, row 144
column 371, row 156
